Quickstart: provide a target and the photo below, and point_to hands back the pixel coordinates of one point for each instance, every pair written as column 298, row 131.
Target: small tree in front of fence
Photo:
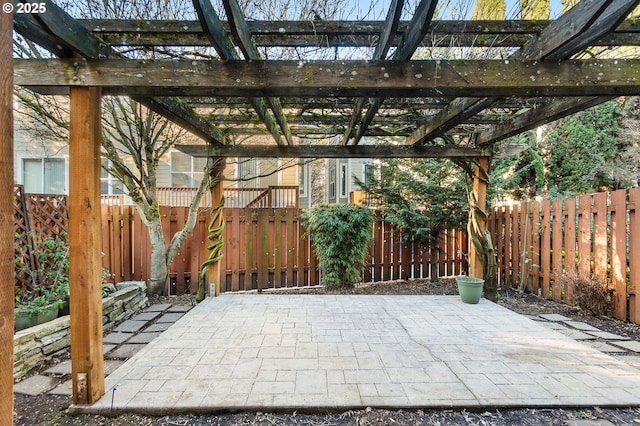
column 341, row 235
column 422, row 198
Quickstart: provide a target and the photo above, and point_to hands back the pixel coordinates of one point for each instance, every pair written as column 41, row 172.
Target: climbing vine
column 214, row 233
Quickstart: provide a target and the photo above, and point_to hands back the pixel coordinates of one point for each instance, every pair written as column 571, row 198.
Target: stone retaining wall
column 35, row 345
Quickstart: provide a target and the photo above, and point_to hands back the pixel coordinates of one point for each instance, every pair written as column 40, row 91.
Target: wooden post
column 85, row 262
column 213, row 271
column 6, row 220
column 480, row 183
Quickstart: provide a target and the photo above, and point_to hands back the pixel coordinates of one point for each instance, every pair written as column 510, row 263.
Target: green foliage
column 341, row 236
column 421, row 198
column 579, row 147
column 51, row 277
column 521, row 176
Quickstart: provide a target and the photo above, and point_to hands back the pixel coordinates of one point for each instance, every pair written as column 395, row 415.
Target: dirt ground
column 52, row 410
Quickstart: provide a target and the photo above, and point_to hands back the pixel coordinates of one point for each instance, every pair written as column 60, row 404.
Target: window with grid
column 186, row 171
column 44, row 175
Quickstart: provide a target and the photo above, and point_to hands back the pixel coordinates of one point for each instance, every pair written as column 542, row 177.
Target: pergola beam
column 522, row 78
column 536, row 117
column 502, row 33
column 335, row 151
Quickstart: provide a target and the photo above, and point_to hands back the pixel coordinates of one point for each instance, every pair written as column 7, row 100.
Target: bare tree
column 134, row 141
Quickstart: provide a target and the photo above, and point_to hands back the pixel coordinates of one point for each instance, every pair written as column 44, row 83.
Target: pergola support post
column 85, row 240
column 482, row 254
column 212, row 269
column 479, row 204
column 7, row 282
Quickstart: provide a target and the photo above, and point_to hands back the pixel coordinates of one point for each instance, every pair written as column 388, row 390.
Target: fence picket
column 570, row 247
column 619, row 254
column 634, row 255
column 556, row 250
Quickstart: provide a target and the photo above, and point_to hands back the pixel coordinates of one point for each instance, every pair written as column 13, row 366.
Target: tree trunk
column 159, row 265
column 433, row 259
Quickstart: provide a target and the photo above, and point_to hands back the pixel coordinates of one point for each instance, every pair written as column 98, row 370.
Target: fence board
column 570, row 247
column 233, row 253
column 535, row 249
column 515, row 243
column 300, row 259
column 556, row 250
column 248, row 250
column 290, row 246
column 545, row 250
column 634, row 254
column 600, row 236
column 377, row 251
column 584, row 234
column 619, row 254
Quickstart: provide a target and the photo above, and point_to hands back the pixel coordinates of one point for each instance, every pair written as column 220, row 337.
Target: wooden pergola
column 209, row 76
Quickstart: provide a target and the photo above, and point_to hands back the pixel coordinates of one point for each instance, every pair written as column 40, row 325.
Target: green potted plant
column 469, row 288
column 37, row 310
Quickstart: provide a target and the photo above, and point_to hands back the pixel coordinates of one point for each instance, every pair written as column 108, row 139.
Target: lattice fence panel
column 23, row 245
column 49, row 214
column 36, row 216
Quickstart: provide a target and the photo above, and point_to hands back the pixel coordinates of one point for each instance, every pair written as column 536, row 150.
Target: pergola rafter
column 64, row 36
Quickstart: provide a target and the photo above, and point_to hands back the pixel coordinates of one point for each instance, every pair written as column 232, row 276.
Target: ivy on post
column 482, row 258
column 210, row 270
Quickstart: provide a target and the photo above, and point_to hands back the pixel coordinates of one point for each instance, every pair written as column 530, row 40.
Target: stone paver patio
column 278, row 352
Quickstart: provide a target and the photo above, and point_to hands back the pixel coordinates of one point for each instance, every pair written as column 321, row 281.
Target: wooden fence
column 595, row 235
column 264, row 248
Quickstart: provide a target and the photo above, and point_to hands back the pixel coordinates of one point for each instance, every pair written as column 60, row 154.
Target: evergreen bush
column 341, row 234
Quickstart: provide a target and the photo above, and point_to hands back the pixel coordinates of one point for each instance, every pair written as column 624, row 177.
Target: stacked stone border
column 34, row 346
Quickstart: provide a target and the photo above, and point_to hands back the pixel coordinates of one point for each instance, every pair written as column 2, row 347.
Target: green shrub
column 341, row 234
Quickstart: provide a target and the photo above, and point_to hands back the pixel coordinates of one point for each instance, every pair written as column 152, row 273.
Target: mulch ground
column 52, row 410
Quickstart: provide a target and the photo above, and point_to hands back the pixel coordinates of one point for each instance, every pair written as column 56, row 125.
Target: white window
column 186, row 171
column 268, row 169
column 368, row 174
column 304, row 177
column 43, row 175
column 332, row 182
column 343, row 180
column 109, row 185
column 247, row 172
